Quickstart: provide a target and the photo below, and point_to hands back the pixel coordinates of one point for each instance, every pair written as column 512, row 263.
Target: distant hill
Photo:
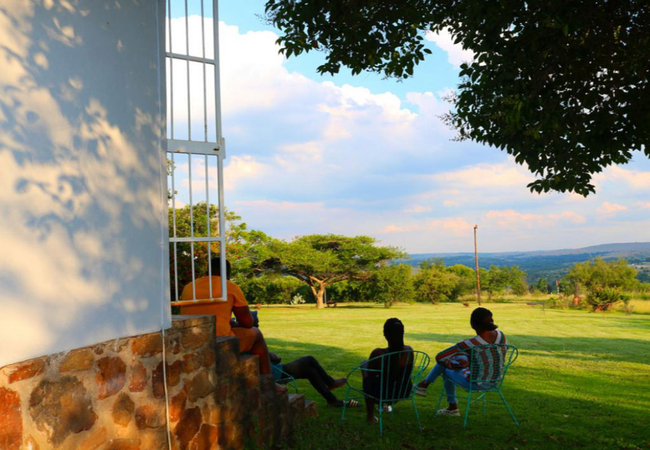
column 549, row 264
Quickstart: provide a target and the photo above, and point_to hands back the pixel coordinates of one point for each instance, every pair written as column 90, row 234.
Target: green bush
column 603, row 299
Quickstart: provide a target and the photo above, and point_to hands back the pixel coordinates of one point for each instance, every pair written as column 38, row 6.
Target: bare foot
column 280, row 389
column 338, row 383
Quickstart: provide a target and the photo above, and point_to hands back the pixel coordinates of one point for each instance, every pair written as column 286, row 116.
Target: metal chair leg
column 509, row 410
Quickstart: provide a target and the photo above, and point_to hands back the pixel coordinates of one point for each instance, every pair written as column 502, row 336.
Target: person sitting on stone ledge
column 308, row 368
column 251, row 339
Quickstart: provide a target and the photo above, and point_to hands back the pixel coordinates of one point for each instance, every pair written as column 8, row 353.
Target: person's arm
column 240, row 306
column 243, row 316
column 375, row 364
column 444, row 357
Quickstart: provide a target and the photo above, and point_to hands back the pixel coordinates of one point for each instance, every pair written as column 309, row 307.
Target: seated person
column 453, row 363
column 309, row 368
column 250, row 338
column 394, row 334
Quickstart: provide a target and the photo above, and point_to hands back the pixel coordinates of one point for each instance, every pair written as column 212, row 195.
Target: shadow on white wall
column 81, row 173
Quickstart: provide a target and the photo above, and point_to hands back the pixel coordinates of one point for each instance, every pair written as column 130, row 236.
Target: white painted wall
column 82, row 199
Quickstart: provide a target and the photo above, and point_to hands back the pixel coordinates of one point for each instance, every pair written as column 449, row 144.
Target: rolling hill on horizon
column 550, row 264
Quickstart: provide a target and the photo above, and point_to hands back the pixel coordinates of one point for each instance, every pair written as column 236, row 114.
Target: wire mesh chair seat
column 394, row 377
column 488, row 368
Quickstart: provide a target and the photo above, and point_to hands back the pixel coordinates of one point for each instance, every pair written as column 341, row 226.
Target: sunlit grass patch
column 578, row 383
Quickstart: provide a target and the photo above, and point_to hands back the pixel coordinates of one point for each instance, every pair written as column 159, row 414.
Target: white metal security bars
column 195, row 145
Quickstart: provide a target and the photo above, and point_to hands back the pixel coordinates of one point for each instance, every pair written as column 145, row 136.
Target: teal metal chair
column 282, row 377
column 395, row 383
column 488, row 368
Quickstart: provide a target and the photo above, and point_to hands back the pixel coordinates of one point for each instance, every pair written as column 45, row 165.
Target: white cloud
column 315, row 157
column 417, row 209
column 455, row 52
column 510, row 219
column 610, row 209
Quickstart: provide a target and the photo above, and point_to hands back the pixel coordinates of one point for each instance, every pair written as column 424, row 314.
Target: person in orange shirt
column 250, row 338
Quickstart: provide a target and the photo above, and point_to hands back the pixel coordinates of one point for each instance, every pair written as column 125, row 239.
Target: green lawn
column 582, row 379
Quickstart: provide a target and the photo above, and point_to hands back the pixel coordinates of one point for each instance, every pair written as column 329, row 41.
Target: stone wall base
column 111, row 396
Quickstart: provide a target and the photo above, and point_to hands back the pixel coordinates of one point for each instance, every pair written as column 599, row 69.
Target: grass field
column 582, row 379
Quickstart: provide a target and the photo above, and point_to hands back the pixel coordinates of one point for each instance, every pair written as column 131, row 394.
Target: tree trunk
column 318, row 289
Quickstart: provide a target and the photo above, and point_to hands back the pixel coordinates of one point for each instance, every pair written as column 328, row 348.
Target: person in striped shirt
column 453, row 362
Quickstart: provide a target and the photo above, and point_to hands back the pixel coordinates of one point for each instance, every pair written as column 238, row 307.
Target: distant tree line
column 321, row 268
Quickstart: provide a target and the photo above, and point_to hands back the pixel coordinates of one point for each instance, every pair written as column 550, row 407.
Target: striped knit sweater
column 460, row 351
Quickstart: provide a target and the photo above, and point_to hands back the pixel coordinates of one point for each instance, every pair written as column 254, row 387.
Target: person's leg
column 451, row 378
column 437, row 370
column 308, row 368
column 370, row 410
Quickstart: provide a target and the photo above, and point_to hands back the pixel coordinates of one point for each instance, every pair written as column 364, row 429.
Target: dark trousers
column 308, row 368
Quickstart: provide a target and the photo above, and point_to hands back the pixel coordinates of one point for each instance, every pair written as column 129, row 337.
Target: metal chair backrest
column 398, row 373
column 489, row 364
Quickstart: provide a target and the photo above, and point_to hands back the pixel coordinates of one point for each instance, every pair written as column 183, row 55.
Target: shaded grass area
column 581, row 381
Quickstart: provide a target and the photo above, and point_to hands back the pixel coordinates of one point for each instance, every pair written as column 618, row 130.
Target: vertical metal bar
column 187, row 52
column 173, row 168
column 171, row 70
column 189, row 176
column 205, row 94
column 217, row 80
column 193, row 273
column 221, row 152
column 222, row 226
column 207, row 206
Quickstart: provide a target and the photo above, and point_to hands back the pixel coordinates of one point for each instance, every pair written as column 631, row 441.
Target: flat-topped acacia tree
column 321, row 260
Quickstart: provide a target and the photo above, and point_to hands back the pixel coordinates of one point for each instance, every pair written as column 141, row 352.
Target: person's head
column 482, row 320
column 394, row 334
column 216, row 267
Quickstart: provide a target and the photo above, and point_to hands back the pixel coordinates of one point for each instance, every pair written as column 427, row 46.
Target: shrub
column 603, row 299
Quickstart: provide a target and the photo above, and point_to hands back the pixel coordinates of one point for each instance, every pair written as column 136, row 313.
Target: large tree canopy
column 562, row 85
column 322, row 260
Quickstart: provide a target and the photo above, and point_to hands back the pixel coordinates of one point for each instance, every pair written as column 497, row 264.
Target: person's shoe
column 421, row 391
column 386, row 408
column 449, row 412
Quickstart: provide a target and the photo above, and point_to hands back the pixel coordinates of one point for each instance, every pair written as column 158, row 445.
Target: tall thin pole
column 478, row 281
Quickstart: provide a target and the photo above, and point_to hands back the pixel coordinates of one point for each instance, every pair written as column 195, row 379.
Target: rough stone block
column 188, row 426
column 194, row 338
column 123, row 444
column 250, row 370
column 174, row 373
column 61, row 407
column 297, row 407
column 92, row 442
column 138, row 379
column 11, row 422
column 27, row 370
column 110, row 377
column 149, row 416
column 147, row 345
column 158, row 381
column 310, row 408
column 206, row 438
column 199, row 387
column 191, row 362
column 123, row 410
column 177, row 405
column 77, row 360
column 208, row 356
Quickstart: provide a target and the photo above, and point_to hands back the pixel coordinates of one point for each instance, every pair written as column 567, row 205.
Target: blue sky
column 363, row 155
